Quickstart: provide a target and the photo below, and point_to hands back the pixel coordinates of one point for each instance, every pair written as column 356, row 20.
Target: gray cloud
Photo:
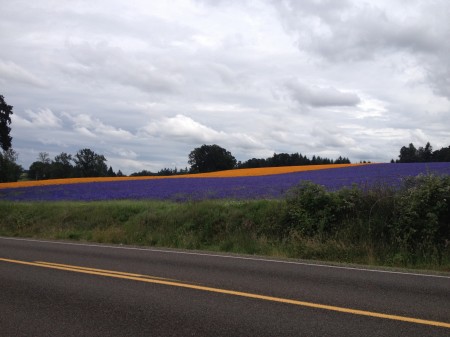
column 320, row 97
column 11, row 72
column 347, row 32
column 102, row 63
column 351, row 31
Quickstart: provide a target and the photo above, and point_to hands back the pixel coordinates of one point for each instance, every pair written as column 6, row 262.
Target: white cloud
column 10, row 71
column 94, row 127
column 20, row 122
column 186, row 129
column 125, row 153
column 85, row 132
column 42, row 119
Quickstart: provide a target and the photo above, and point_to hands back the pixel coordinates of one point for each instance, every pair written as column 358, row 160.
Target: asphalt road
column 75, row 289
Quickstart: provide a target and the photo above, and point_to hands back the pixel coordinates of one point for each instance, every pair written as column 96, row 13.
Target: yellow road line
column 103, row 271
column 150, row 279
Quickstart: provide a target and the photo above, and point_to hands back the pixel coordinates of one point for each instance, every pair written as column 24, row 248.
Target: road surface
column 52, row 288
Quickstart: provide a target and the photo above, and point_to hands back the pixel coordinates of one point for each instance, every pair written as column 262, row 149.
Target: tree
column 342, row 160
column 142, row 173
column 62, row 166
column 9, row 169
column 44, row 158
column 36, row 171
column 408, row 154
column 41, row 169
column 209, row 158
column 442, row 155
column 5, row 121
column 90, row 164
column 425, row 154
column 428, row 152
column 111, row 172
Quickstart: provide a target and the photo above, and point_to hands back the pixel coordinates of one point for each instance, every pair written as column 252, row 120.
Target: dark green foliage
column 442, row 155
column 111, row 172
column 87, row 164
column 5, row 120
column 9, row 169
column 45, row 168
column 62, row 166
column 210, row 158
column 408, row 154
column 294, row 159
column 142, row 173
column 311, row 210
column 42, row 168
column 423, row 154
column 90, row 164
column 409, row 226
column 162, row 172
column 422, row 226
column 39, row 171
column 172, row 172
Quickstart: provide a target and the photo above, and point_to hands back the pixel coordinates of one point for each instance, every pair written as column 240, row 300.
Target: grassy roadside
column 347, row 226
column 214, row 225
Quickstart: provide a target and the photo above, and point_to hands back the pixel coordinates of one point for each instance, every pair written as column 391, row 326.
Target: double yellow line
column 175, row 283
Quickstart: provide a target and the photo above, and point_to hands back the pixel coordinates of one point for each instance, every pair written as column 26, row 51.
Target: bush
column 409, row 225
column 423, row 217
column 312, row 210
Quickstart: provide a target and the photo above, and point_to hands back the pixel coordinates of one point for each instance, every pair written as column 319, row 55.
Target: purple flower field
column 261, row 187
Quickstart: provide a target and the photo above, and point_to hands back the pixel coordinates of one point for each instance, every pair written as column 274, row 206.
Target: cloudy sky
column 145, row 82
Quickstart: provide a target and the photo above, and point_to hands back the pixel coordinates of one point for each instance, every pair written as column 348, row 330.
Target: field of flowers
column 265, row 183
column 263, row 171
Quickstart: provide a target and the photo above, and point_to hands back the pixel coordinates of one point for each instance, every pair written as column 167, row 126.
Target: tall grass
column 406, row 227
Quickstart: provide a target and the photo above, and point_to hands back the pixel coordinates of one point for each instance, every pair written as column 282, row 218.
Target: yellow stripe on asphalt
column 156, row 280
column 112, row 272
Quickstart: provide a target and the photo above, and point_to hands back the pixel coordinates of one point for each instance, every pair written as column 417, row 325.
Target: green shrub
column 409, row 225
column 311, row 210
column 422, row 227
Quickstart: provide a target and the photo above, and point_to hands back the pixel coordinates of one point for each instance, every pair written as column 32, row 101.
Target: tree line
column 210, row 158
column 411, row 154
column 85, row 163
column 286, row 159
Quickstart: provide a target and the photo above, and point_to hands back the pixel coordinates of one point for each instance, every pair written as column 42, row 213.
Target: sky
column 145, row 82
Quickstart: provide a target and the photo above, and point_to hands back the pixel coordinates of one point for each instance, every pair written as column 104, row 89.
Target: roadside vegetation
column 407, row 226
